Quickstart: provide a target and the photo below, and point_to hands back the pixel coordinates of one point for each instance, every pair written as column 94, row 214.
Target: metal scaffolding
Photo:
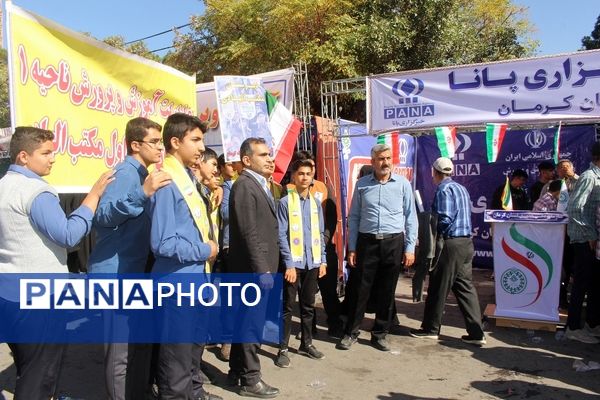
column 302, row 105
column 330, row 90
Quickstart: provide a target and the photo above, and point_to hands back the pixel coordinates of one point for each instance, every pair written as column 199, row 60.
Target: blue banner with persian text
column 523, row 149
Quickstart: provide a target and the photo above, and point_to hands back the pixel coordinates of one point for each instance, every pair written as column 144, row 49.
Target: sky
column 559, row 25
column 132, row 19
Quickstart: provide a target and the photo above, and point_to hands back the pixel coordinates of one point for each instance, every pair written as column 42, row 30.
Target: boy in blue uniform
column 302, row 248
column 123, row 243
column 179, row 239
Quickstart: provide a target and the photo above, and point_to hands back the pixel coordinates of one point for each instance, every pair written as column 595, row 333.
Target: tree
column 4, row 97
column 138, row 48
column 349, row 38
column 593, row 41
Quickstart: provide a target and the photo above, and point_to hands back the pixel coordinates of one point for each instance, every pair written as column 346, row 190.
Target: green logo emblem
column 513, row 281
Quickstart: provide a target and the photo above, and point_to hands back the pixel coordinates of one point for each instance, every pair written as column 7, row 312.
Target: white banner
column 527, row 267
column 554, row 88
column 279, row 83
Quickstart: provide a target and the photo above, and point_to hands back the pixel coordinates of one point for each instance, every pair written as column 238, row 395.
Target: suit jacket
column 253, row 230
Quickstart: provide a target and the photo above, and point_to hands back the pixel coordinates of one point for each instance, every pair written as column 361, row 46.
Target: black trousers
column 306, row 288
column 38, row 366
column 244, row 362
column 453, row 271
column 328, row 287
column 586, row 281
column 175, row 364
column 378, row 265
column 197, row 380
column 127, row 370
column 126, row 365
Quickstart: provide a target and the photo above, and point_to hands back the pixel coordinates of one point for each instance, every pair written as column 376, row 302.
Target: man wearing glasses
column 123, row 243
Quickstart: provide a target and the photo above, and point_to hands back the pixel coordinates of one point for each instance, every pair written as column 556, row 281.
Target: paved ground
column 515, row 364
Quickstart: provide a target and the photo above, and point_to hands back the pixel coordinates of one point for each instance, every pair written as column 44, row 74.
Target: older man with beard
column 382, row 229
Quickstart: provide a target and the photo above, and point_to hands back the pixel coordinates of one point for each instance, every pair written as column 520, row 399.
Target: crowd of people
column 198, row 213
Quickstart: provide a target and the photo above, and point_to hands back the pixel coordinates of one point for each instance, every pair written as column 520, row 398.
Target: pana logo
column 535, row 139
column 403, row 150
column 408, row 87
column 409, row 106
column 463, row 143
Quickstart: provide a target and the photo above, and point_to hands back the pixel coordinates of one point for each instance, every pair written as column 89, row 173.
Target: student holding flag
column 519, row 200
column 302, row 247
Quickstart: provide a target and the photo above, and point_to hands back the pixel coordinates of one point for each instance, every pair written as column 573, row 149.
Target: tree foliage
column 4, row 97
column 593, row 41
column 349, row 38
column 138, row 48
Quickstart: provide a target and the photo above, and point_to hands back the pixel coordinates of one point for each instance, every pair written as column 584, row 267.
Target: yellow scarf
column 215, row 216
column 192, row 198
column 296, row 230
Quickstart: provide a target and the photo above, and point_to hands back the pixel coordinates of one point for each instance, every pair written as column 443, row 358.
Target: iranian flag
column 285, row 129
column 506, row 196
column 494, row 136
column 391, row 139
column 446, row 138
column 557, row 143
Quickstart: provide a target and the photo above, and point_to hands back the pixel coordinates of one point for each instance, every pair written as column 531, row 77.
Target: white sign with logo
column 551, row 88
column 527, row 267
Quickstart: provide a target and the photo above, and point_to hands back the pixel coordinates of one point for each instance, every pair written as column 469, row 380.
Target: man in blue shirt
column 296, row 217
column 382, row 229
column 177, row 216
column 123, row 243
column 454, row 254
column 34, row 236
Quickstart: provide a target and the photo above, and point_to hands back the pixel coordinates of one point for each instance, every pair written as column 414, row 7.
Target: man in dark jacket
column 520, row 199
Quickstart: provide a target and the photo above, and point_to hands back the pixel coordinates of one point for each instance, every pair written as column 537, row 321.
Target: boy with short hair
column 123, row 243
column 34, row 236
column 302, row 248
column 179, row 239
column 549, row 200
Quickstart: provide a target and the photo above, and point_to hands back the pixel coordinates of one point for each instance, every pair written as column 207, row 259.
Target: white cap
column 443, row 165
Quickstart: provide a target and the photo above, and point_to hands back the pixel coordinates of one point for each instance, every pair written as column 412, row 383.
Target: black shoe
column 208, row 396
column 233, row 379
column 283, row 359
column 260, row 390
column 346, row 342
column 473, row 340
column 311, row 351
column 380, row 344
column 423, row 334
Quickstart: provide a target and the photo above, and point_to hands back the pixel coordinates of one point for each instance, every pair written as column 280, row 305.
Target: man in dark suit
column 254, row 243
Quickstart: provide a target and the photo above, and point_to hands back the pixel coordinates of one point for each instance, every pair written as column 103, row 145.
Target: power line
column 158, row 34
column 171, row 47
column 161, row 49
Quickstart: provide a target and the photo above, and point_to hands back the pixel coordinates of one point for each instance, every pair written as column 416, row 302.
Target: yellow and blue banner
column 85, row 92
